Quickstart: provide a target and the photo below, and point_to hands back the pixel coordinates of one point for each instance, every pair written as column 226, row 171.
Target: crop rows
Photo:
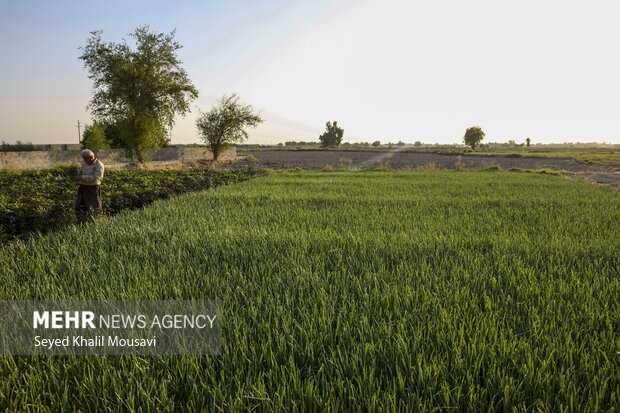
column 472, row 290
column 43, row 200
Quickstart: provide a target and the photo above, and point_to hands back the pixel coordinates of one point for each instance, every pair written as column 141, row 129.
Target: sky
column 386, row 70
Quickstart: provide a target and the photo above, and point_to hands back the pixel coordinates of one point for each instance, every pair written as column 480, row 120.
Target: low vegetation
column 382, row 290
column 40, row 201
column 605, row 155
column 20, row 146
column 585, row 156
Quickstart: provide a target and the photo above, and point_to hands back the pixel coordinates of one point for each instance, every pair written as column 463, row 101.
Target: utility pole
column 79, row 132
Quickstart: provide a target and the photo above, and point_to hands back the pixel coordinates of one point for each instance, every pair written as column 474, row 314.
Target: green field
column 469, row 290
column 43, row 200
column 602, row 157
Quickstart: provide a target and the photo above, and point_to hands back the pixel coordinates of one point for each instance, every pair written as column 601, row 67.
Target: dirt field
column 402, row 160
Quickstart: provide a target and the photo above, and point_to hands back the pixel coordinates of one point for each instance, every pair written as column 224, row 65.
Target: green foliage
column 342, row 291
column 120, row 136
column 300, row 143
column 332, row 136
column 473, row 136
column 606, row 157
column 20, row 146
column 527, row 142
column 94, row 137
column 226, row 123
column 376, row 144
column 139, row 90
column 42, row 200
column 142, row 133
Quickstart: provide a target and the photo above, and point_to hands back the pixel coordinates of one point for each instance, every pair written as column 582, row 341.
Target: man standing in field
column 89, row 193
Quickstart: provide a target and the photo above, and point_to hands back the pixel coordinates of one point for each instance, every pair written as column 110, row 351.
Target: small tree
column 376, row 144
column 94, row 137
column 527, row 142
column 332, row 135
column 225, row 124
column 473, row 136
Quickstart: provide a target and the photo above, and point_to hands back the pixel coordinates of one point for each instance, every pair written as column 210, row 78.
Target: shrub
column 428, row 166
column 345, row 163
column 459, row 164
column 490, row 166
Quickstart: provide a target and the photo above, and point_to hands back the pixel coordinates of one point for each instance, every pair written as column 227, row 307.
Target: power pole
column 79, row 132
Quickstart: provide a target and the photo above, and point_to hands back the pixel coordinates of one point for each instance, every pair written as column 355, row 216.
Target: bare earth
column 309, row 160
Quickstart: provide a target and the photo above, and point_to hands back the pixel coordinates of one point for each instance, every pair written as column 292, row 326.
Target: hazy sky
column 384, row 69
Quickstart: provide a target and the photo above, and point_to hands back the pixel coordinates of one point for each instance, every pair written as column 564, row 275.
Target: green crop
column 43, row 200
column 470, row 290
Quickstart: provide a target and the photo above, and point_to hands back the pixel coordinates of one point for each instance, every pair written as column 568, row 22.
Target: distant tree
column 376, row 143
column 94, row 137
column 139, row 90
column 473, row 136
column 19, row 146
column 417, row 143
column 300, row 143
column 400, row 143
column 527, row 142
column 225, row 124
column 332, row 136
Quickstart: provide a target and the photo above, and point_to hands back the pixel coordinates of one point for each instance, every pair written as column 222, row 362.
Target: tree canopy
column 332, row 136
column 473, row 136
column 226, row 123
column 94, row 137
column 140, row 89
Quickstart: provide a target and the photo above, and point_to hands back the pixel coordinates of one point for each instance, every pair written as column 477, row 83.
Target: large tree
column 226, row 123
column 332, row 136
column 139, row 89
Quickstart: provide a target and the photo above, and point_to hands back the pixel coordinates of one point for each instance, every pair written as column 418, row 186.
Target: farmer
column 89, row 194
